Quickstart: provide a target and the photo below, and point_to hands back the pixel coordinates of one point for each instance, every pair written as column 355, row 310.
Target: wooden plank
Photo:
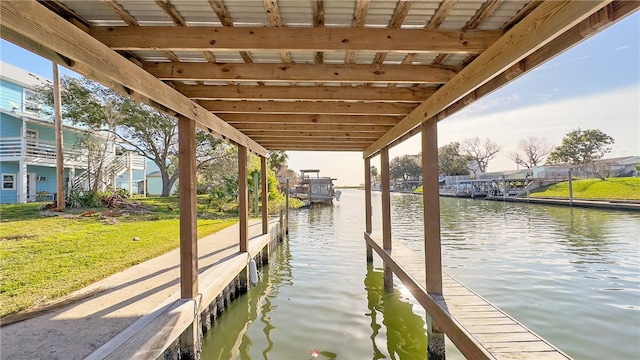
column 545, row 23
column 309, row 119
column 308, row 93
column 317, row 39
column 506, row 337
column 359, row 18
column 188, row 209
column 532, row 355
column 409, row 74
column 313, row 147
column 352, row 128
column 518, row 346
column 35, row 22
column 262, row 134
column 306, row 107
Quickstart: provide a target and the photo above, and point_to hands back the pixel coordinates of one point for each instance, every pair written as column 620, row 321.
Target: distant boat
column 315, row 189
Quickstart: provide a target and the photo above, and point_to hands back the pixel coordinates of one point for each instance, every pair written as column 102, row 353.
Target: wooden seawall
column 138, row 312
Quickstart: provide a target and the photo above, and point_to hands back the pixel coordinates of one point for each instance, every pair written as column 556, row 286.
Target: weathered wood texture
column 243, row 198
column 479, row 329
column 188, row 209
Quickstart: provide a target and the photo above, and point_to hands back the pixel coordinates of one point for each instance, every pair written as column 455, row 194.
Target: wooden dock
column 478, row 328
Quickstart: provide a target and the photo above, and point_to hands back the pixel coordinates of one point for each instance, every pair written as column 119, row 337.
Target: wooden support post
column 435, row 340
column 265, row 194
column 286, row 208
column 243, row 199
column 188, row 208
column 385, row 187
column 256, row 194
column 57, row 105
column 431, row 201
column 367, row 204
column 570, row 187
column 281, row 227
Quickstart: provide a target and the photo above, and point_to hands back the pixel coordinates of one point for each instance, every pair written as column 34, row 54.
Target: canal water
column 570, row 275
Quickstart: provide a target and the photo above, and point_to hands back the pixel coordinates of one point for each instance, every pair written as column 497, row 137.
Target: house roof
column 20, row 76
column 353, row 75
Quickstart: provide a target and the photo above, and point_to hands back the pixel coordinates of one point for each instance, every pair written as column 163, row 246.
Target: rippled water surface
column 571, row 275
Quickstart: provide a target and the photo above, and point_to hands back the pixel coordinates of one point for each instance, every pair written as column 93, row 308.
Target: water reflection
column 405, row 331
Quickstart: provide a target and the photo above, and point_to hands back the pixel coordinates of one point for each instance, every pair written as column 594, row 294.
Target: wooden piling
column 367, row 204
column 385, row 187
column 243, row 198
column 265, row 195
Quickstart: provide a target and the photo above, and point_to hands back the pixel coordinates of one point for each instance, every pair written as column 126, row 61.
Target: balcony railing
column 41, row 151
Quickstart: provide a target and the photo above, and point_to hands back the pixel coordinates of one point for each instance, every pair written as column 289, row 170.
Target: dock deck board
column 494, row 333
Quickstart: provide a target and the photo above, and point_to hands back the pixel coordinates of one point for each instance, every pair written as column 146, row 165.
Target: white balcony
column 41, row 152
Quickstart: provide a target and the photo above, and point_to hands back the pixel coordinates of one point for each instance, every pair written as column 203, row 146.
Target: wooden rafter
column 310, row 119
column 313, row 127
column 400, row 13
column 301, row 72
column 318, row 21
column 306, row 107
column 78, row 46
column 418, row 41
column 544, row 24
column 319, row 93
column 359, row 18
column 274, row 134
column 275, row 19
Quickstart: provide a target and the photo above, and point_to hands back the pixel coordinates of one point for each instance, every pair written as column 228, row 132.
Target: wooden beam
column 309, row 93
column 204, row 38
column 482, row 14
column 264, row 182
column 441, row 14
column 368, row 228
column 431, row 204
column 333, row 147
column 262, row 134
column 35, row 22
column 171, row 12
column 385, row 188
column 545, row 23
column 188, row 209
column 309, row 119
column 243, row 199
column 306, row 107
column 121, row 12
column 319, row 127
column 355, row 142
column 426, row 74
column 318, row 21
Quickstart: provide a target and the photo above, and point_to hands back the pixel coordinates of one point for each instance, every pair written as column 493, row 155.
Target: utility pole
column 57, row 104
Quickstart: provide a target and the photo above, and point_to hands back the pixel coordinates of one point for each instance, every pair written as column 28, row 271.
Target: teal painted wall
column 10, row 92
column 9, row 196
column 10, row 126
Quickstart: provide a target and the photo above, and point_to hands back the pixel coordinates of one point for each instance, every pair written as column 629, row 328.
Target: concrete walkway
column 76, row 330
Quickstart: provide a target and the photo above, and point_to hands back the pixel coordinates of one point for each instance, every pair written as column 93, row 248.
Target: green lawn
column 611, row 188
column 44, row 257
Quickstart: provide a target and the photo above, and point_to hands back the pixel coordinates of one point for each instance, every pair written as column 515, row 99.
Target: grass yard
column 44, row 257
column 611, row 188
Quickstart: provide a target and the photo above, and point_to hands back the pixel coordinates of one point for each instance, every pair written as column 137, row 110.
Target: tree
column 480, row 152
column 451, row 161
column 535, row 150
column 404, row 166
column 581, row 148
column 373, row 171
column 277, row 159
column 152, row 133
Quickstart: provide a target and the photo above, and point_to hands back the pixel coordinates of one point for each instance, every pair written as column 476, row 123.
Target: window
column 31, row 102
column 8, row 181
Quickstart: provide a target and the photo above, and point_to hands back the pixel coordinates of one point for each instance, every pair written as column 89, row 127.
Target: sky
column 594, row 85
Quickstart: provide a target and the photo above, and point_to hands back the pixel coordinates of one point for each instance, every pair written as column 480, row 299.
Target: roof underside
column 354, row 75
